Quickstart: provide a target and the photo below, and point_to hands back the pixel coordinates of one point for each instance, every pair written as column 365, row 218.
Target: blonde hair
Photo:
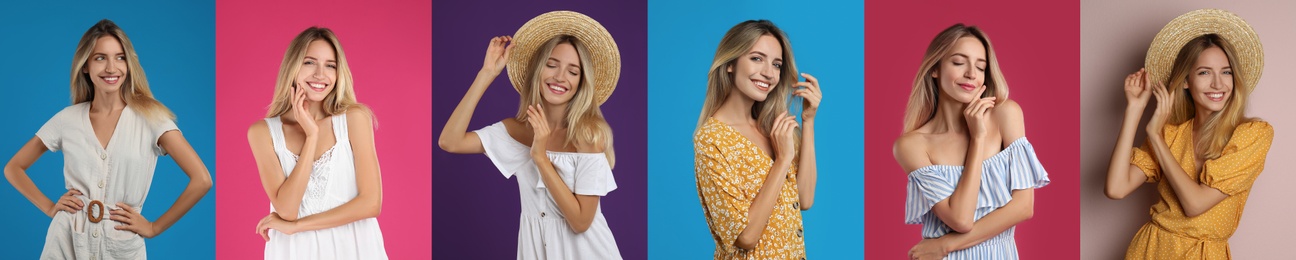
column 735, row 43
column 926, row 90
column 336, row 102
column 137, row 95
column 584, row 120
column 1218, row 128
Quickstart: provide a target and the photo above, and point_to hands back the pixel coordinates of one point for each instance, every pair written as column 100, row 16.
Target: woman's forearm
column 762, row 207
column 454, row 135
column 16, row 173
column 807, row 170
column 1021, row 208
column 199, row 180
column 1195, row 198
column 958, row 211
column 1120, row 180
column 289, row 195
column 363, row 206
column 577, row 216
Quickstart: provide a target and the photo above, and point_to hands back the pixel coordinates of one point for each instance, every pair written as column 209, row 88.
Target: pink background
column 1116, row 35
column 1037, row 43
column 388, row 46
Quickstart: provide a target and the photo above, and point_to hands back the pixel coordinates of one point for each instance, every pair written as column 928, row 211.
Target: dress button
column 800, row 233
column 795, row 205
column 103, row 156
column 101, row 183
column 542, row 214
column 95, row 234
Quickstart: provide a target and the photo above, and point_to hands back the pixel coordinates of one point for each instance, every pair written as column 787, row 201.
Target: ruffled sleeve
column 1144, row 161
column 1242, row 159
column 507, row 154
column 927, row 186
column 1022, row 166
column 723, row 203
column 593, row 175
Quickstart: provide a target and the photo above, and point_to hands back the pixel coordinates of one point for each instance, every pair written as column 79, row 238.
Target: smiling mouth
column 1215, row 96
column 111, row 79
column 968, row 87
column 316, row 86
column 761, row 85
column 557, row 89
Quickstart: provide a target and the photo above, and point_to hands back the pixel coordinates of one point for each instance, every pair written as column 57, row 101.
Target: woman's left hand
column 1165, row 104
column 540, row 126
column 809, row 90
column 273, row 221
column 131, row 221
column 928, row 248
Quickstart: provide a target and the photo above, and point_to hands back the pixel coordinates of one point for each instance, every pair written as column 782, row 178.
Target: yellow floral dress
column 1171, row 234
column 730, row 170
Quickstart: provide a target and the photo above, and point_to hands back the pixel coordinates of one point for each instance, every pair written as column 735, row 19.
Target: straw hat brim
column 1247, row 50
column 604, row 56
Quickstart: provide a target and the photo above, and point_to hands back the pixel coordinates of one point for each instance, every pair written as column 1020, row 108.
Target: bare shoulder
column 910, row 150
column 259, row 130
column 359, row 116
column 1008, row 115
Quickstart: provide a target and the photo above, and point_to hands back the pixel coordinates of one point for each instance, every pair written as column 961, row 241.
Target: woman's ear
column 935, row 73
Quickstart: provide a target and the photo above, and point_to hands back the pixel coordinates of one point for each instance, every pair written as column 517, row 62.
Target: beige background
column 1114, row 39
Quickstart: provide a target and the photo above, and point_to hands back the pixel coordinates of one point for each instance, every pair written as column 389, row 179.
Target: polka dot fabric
column 1173, row 235
column 730, row 171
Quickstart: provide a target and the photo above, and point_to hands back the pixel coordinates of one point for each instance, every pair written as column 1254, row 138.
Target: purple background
column 476, row 210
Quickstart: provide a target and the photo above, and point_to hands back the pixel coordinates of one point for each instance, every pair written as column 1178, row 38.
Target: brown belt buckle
column 90, row 212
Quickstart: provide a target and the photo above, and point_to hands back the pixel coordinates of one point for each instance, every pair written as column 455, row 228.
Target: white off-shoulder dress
column 1014, row 168
column 543, row 232
column 332, row 183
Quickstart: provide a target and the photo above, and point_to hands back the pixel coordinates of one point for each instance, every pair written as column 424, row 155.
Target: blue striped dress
column 1014, row 168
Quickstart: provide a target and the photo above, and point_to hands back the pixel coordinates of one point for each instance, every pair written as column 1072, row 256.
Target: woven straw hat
column 604, row 57
column 1247, row 50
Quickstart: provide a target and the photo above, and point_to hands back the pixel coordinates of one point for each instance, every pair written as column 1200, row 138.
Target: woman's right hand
column 304, row 117
column 977, row 114
column 1165, row 104
column 497, row 54
column 1137, row 89
column 783, row 135
column 68, row 202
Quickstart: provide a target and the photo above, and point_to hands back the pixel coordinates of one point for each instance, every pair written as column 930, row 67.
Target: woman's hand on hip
column 132, row 221
column 68, row 203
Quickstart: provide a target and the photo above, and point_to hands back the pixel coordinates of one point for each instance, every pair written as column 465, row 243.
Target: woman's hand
column 783, row 136
column 928, row 248
column 273, row 221
column 497, row 54
column 68, row 202
column 1137, row 91
column 1165, row 103
column 304, row 117
column 540, row 126
column 132, row 221
column 977, row 114
column 809, row 90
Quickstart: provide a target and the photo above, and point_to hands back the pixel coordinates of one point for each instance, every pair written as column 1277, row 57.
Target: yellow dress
column 1171, row 234
column 730, row 170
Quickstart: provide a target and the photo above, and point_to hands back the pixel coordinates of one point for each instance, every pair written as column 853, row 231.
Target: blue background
column 175, row 43
column 827, row 42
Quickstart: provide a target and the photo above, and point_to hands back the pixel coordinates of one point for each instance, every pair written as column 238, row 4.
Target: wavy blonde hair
column 735, row 43
column 584, row 120
column 338, row 101
column 1218, row 128
column 137, row 94
column 926, row 90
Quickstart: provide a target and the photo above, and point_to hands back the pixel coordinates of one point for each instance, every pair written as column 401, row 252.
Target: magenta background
column 388, row 46
column 1038, row 44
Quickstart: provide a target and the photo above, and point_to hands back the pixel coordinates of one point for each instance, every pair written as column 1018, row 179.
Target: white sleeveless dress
column 332, row 183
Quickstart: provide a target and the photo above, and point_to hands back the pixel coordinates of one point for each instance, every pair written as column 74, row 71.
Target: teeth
column 557, row 88
column 1215, row 95
column 316, row 85
column 762, row 84
column 111, row 78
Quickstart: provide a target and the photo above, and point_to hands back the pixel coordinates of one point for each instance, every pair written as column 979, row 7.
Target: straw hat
column 1247, row 50
column 605, row 59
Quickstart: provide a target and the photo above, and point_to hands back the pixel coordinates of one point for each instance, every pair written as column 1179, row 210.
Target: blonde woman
column 111, row 138
column 315, row 153
column 1201, row 151
column 565, row 66
column 755, row 172
column 965, row 150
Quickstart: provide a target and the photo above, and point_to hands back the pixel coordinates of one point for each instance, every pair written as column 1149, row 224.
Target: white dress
column 332, row 183
column 122, row 173
column 543, row 232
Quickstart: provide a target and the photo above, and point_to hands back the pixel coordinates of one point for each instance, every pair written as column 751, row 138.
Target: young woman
column 315, row 154
column 1201, row 151
column 566, row 65
column 111, row 138
column 755, row 172
column 972, row 173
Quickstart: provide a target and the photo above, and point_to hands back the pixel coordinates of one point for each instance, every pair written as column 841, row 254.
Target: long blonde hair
column 336, row 102
column 137, row 95
column 1218, row 128
column 736, row 42
column 584, row 120
column 926, row 90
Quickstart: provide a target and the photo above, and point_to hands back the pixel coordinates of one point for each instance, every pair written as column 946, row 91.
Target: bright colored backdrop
column 174, row 43
column 388, row 46
column 1037, row 43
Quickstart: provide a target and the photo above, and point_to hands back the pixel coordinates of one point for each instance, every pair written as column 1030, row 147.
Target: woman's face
column 318, row 71
column 106, row 66
column 1211, row 80
column 756, row 72
column 561, row 74
column 962, row 71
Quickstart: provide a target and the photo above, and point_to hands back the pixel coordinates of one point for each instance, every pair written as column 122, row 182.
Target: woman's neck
column 107, row 101
column 316, row 110
column 555, row 114
column 736, row 109
column 1200, row 117
column 949, row 116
